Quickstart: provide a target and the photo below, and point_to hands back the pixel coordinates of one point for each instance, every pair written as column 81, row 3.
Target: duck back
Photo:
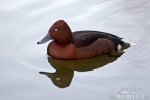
column 85, row 38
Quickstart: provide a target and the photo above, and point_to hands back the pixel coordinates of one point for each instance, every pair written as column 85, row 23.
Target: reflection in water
column 62, row 78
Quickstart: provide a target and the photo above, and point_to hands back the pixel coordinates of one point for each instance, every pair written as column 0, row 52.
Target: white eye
column 56, row 29
column 58, row 79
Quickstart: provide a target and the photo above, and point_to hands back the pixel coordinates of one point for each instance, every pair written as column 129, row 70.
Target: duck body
column 79, row 44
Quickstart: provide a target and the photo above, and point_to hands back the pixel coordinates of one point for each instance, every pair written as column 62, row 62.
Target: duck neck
column 65, row 38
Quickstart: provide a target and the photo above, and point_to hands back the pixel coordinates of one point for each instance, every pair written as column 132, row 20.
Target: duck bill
column 45, row 39
column 50, row 75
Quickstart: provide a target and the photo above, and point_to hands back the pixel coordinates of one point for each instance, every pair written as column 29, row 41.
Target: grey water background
column 24, row 22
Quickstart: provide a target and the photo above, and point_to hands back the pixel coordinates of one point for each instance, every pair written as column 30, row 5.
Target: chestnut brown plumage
column 80, row 44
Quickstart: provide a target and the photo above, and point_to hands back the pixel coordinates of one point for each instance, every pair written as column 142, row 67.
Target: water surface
column 25, row 22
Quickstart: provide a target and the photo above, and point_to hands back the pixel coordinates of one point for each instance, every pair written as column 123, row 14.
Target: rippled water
column 24, row 22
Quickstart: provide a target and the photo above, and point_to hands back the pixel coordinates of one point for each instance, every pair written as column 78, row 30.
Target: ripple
column 24, row 50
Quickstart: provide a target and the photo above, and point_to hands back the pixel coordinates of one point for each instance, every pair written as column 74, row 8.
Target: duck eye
column 56, row 29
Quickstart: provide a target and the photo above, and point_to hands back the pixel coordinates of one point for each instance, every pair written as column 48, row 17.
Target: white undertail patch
column 119, row 48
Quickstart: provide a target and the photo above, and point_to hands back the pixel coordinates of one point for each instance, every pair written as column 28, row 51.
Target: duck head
column 59, row 32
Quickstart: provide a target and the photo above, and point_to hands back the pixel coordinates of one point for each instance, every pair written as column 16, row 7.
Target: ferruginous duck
column 66, row 44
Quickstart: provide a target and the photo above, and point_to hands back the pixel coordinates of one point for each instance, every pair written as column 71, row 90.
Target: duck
column 83, row 44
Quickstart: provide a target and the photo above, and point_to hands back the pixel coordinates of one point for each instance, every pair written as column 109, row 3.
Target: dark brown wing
column 85, row 38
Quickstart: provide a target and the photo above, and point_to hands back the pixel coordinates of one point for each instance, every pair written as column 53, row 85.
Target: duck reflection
column 63, row 76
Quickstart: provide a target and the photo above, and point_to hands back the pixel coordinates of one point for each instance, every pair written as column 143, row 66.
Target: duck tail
column 123, row 45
